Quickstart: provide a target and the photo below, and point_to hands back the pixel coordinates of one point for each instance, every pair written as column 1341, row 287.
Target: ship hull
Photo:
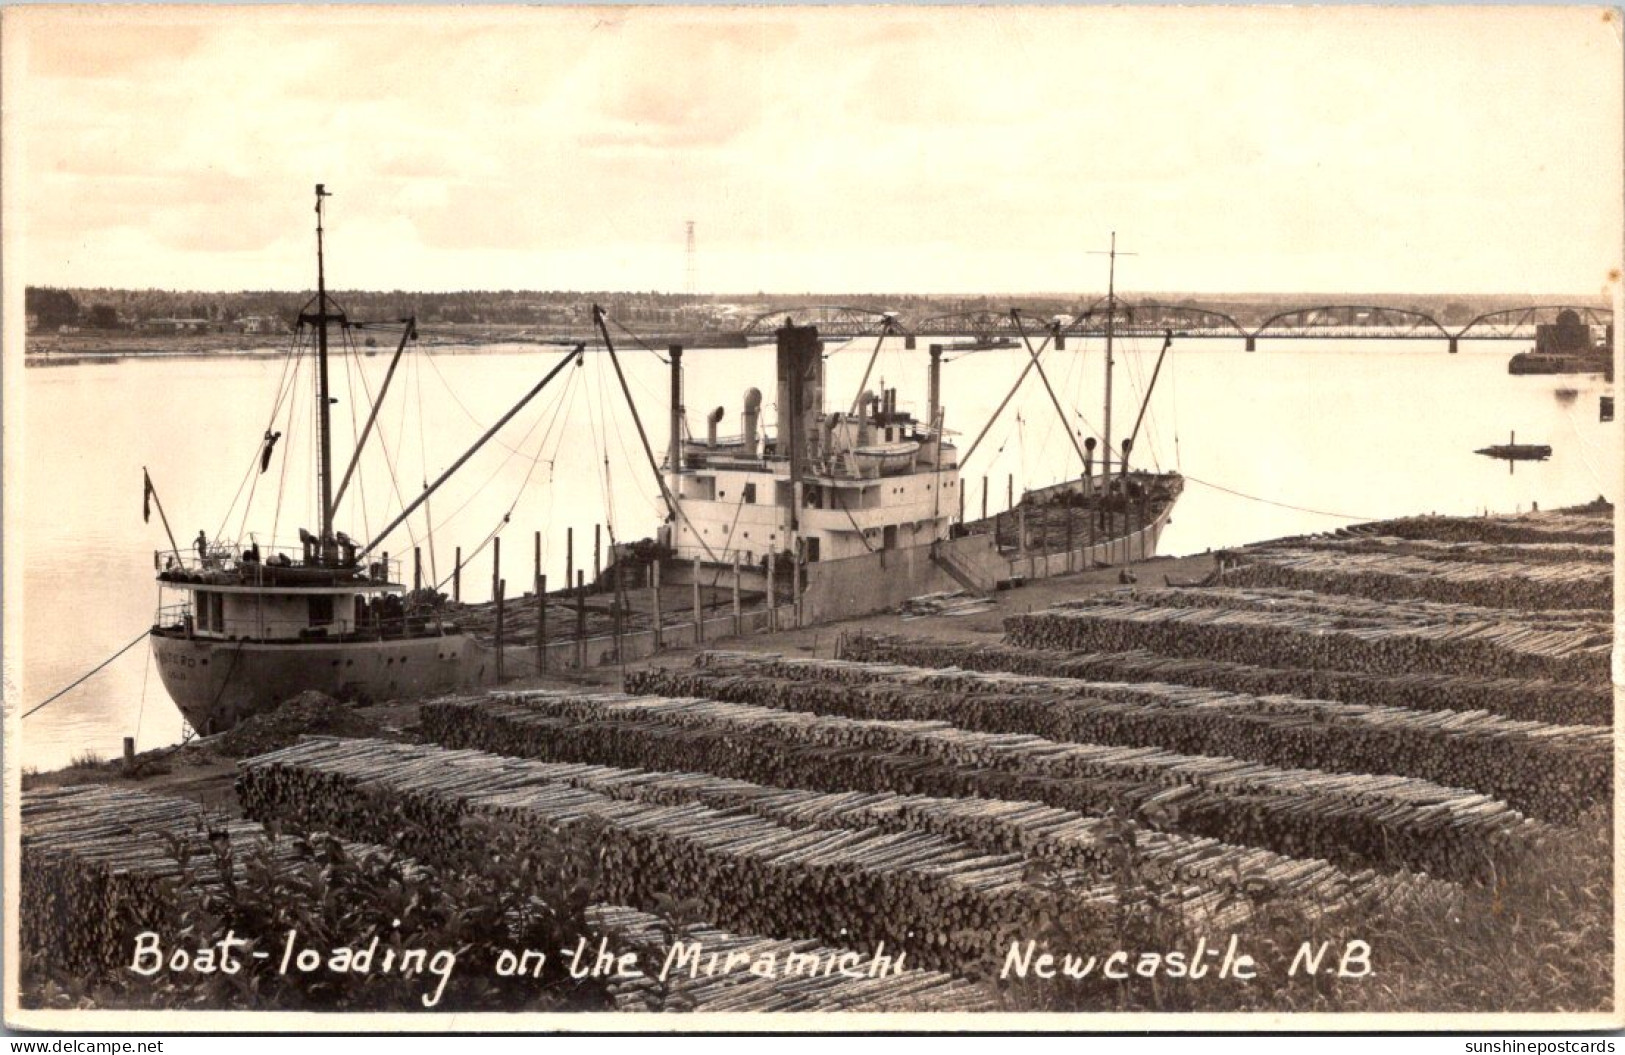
column 217, row 683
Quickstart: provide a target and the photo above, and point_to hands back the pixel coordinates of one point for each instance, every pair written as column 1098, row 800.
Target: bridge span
column 1153, row 319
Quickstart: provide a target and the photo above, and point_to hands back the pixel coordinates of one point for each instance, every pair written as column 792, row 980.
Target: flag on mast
column 146, row 496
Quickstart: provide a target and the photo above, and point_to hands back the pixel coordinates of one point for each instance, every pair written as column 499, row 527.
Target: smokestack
column 711, row 421
column 753, row 408
column 934, row 388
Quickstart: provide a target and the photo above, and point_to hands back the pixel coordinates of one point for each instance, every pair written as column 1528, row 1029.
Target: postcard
column 810, row 518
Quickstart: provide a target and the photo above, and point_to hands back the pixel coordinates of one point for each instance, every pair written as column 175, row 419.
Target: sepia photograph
column 678, row 518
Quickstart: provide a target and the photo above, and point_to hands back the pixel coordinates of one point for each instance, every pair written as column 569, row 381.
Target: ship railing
column 250, row 563
column 180, row 619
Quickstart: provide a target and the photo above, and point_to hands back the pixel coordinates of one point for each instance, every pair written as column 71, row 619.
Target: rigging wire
column 1272, row 502
column 251, row 478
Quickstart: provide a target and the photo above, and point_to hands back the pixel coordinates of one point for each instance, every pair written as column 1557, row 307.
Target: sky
column 970, row 150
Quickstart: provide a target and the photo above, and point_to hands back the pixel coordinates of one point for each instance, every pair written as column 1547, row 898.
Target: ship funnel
column 711, row 421
column 753, row 408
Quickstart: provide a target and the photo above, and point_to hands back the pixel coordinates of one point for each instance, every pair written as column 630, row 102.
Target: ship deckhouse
column 824, row 485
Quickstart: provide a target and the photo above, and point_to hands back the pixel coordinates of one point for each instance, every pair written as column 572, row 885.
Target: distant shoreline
column 108, row 346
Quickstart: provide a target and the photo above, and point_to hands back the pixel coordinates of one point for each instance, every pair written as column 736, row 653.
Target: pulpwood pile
column 688, row 827
column 1389, row 822
column 1433, row 549
column 1380, row 575
column 1552, row 772
column 1059, row 840
column 1536, row 699
column 1357, row 611
column 1499, row 649
column 99, row 865
column 955, row 906
column 796, row 985
column 1594, row 526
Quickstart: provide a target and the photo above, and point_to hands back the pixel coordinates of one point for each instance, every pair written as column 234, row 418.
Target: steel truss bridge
column 1151, row 319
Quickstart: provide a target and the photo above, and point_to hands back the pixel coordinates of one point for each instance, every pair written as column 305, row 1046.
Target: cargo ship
column 857, row 510
column 241, row 628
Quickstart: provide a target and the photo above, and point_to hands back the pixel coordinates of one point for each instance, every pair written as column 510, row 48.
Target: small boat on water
column 240, row 628
column 1513, row 451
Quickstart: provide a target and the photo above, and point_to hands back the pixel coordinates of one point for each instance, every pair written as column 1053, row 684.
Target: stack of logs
column 1590, row 528
column 1536, row 699
column 1307, row 639
column 1551, row 772
column 666, row 832
column 100, row 864
column 1383, row 576
column 952, row 906
column 1360, row 820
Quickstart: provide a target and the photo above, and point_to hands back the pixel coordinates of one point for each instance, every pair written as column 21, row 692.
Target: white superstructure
column 825, row 485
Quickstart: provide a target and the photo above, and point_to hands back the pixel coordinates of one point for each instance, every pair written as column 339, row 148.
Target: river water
column 1298, row 436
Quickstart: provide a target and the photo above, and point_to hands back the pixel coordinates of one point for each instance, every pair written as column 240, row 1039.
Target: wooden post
column 739, row 613
column 496, row 564
column 538, row 548
column 654, row 601
column 569, row 557
column 772, row 601
column 1010, row 492
column 500, row 642
column 597, row 554
column 457, row 577
column 1069, row 537
column 699, row 612
column 129, row 753
column 984, row 498
column 795, row 583
column 581, row 620
column 417, row 568
column 615, row 613
column 541, row 623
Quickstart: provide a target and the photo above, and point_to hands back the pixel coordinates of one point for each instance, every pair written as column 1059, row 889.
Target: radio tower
column 690, row 279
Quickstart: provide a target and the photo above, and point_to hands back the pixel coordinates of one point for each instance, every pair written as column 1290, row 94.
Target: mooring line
column 84, row 677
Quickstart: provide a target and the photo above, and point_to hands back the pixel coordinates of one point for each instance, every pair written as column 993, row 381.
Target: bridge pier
column 1453, row 348
column 1060, row 342
column 908, row 342
column 1252, row 343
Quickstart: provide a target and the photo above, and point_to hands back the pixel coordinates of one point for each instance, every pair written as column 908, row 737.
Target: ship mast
column 1111, row 319
column 320, row 318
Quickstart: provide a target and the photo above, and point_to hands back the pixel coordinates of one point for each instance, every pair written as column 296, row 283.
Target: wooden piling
column 772, row 599
column 795, row 583
column 537, row 546
column 699, row 611
column 581, row 620
column 569, row 557
column 1010, row 492
column 496, row 564
column 739, row 612
column 129, row 753
column 615, row 612
column 541, row 623
column 417, row 568
column 597, row 554
column 984, row 497
column 654, row 602
column 457, row 577
column 500, row 642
